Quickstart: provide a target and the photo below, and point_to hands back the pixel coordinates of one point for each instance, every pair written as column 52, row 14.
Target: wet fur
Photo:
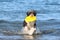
column 31, row 28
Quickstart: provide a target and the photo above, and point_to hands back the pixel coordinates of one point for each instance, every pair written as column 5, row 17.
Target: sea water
column 13, row 12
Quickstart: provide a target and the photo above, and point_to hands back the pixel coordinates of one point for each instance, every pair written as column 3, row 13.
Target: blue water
column 13, row 12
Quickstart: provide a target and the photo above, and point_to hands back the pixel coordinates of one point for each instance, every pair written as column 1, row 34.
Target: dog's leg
column 31, row 28
column 28, row 26
column 25, row 30
column 31, row 31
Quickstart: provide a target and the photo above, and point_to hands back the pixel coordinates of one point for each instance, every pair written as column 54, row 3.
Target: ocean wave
column 18, row 16
column 49, row 22
column 17, row 21
column 47, row 27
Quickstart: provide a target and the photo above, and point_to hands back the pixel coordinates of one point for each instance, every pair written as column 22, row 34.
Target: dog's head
column 31, row 11
column 28, row 13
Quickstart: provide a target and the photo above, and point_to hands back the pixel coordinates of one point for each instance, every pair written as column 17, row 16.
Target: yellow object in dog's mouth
column 30, row 19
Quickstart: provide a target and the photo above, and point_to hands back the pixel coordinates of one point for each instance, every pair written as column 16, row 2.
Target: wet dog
column 30, row 26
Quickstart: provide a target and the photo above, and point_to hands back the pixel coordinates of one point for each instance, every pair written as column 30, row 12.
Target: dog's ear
column 27, row 13
column 35, row 24
column 24, row 23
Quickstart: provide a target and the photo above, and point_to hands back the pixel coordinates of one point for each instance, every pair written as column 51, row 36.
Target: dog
column 29, row 27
